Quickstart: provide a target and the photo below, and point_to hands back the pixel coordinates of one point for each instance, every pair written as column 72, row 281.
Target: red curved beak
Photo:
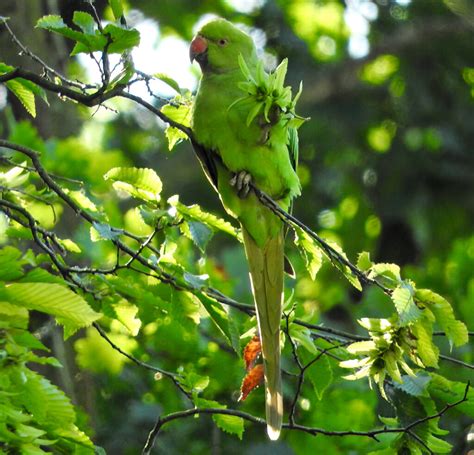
column 198, row 48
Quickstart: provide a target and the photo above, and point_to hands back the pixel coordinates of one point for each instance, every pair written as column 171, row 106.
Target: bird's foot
column 241, row 181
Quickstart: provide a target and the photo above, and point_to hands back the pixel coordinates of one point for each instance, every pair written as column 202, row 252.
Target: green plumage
column 266, row 149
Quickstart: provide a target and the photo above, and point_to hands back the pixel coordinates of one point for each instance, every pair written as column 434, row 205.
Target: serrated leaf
column 48, row 404
column 24, row 94
column 302, row 336
column 193, row 382
column 196, row 281
column 181, row 114
column 56, row 24
column 310, row 252
column 387, row 274
column 84, row 21
column 218, row 316
column 198, row 232
column 427, row 351
column 100, row 231
column 416, row 386
column 142, row 183
column 185, row 309
column 230, row 424
column 196, row 213
column 449, row 392
column 346, row 271
column 69, row 309
column 456, row 331
column 169, row 81
column 391, row 366
column 406, row 308
column 123, row 39
column 116, row 39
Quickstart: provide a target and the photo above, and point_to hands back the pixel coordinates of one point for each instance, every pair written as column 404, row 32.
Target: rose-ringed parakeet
column 241, row 146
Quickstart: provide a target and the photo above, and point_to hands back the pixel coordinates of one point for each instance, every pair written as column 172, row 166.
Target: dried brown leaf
column 253, row 379
column 252, row 352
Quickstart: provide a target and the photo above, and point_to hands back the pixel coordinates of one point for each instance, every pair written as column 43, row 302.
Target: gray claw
column 241, row 180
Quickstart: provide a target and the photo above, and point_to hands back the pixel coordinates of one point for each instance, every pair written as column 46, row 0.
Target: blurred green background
column 387, row 166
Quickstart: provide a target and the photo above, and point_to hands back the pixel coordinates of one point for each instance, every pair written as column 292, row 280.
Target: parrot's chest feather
column 220, row 125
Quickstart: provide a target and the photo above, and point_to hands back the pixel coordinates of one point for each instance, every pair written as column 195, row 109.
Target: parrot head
column 218, row 44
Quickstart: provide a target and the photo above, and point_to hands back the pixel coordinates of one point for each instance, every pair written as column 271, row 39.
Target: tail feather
column 266, row 266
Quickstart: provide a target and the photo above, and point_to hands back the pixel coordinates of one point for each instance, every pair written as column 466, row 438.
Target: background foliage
column 386, row 165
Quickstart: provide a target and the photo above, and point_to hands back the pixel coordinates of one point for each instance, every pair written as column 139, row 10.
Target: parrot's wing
column 208, row 162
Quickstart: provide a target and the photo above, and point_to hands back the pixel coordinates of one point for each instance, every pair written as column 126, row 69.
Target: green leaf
column 407, row 310
column 117, row 8
column 230, row 424
column 416, row 386
column 451, row 391
column 319, row 373
column 456, row 331
column 196, row 281
column 169, row 81
column 100, row 231
column 387, row 274
column 141, row 183
column 363, row 262
column 302, row 336
column 180, row 113
column 427, row 351
column 85, row 22
column 310, row 252
column 198, row 232
column 10, row 264
column 185, row 309
column 69, row 309
column 361, row 347
column 56, row 24
column 218, row 316
column 24, row 94
column 48, row 404
column 122, row 39
column 196, row 213
column 193, row 382
column 346, row 271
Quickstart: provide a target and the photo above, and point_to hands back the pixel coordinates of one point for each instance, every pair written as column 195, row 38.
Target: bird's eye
column 222, row 42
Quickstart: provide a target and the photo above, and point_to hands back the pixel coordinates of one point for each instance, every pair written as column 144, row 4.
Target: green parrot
column 237, row 152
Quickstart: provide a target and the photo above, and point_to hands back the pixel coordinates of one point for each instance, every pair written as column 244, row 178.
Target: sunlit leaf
column 310, row 251
column 141, row 183
column 69, row 309
column 456, row 331
column 402, row 297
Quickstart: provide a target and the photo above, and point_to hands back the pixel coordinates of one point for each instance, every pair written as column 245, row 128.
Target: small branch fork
column 94, row 95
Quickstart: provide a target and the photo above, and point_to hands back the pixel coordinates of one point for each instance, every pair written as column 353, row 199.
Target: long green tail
column 266, row 273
